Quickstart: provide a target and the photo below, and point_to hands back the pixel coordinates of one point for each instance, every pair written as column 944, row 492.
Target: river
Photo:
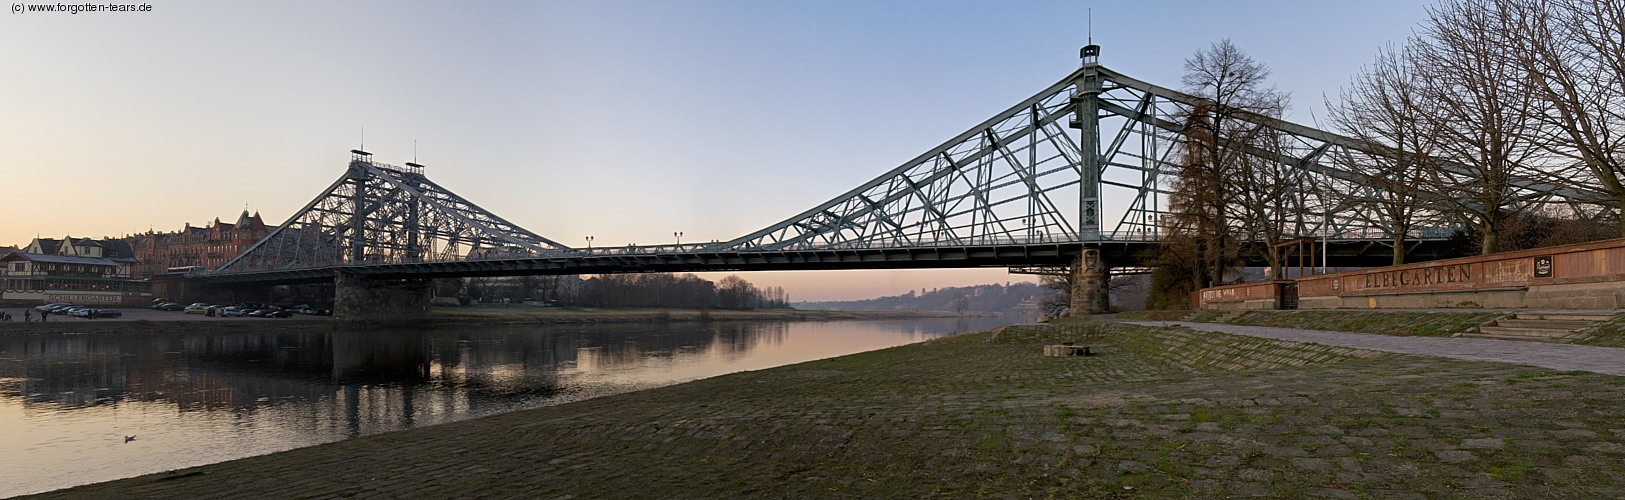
column 84, row 408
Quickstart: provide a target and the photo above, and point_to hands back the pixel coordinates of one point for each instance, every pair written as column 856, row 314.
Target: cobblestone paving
column 1609, row 360
column 963, row 417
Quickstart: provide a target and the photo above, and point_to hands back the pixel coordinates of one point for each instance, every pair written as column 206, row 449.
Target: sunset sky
column 623, row 120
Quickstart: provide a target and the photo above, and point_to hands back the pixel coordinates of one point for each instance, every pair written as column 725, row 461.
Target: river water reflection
column 68, row 401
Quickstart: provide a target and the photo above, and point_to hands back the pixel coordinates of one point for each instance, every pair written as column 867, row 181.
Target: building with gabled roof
column 71, row 270
column 209, row 246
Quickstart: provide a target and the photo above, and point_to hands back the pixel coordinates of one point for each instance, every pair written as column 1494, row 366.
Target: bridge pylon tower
column 1086, row 97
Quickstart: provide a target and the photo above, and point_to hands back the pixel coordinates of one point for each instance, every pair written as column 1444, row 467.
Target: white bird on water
column 129, row 438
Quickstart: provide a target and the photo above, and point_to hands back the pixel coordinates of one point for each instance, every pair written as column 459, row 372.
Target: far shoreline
column 147, row 321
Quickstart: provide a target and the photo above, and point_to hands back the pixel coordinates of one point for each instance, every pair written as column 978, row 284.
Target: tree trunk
column 1492, row 240
column 1399, row 248
column 1619, row 197
column 1274, row 260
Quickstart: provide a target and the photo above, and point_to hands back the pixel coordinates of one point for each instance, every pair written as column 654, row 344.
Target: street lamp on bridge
column 589, row 243
column 679, row 236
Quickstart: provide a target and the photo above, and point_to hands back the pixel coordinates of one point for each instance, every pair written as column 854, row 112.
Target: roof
column 253, row 222
column 48, row 245
column 59, row 259
column 117, row 249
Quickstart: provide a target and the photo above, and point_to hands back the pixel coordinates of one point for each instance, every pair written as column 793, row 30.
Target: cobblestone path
column 1606, row 360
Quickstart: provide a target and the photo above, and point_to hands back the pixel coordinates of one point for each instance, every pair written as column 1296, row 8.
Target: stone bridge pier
column 357, row 298
column 1090, row 293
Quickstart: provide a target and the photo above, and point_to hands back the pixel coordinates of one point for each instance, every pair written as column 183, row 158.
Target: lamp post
column 679, row 236
column 589, row 243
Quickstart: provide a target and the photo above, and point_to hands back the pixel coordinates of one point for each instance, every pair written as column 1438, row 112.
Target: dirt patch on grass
column 1184, row 349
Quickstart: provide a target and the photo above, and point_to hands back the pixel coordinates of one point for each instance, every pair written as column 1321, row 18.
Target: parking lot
column 141, row 314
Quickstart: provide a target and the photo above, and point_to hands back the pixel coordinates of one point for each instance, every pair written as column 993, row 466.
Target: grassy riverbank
column 1401, row 323
column 1157, row 413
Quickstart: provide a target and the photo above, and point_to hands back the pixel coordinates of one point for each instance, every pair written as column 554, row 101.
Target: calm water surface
column 67, row 401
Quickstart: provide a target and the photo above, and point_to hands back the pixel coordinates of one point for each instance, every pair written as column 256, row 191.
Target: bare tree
column 1574, row 51
column 1484, row 113
column 1219, row 173
column 1267, row 197
column 1386, row 108
column 1059, row 298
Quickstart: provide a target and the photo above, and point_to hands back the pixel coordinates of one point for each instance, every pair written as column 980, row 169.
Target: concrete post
column 1090, row 295
column 359, row 299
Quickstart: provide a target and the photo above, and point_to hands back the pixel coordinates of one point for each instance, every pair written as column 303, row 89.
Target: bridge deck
column 610, row 261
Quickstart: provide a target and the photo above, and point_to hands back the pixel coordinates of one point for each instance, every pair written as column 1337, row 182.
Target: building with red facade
column 208, row 246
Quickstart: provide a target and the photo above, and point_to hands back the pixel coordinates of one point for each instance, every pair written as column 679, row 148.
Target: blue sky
column 624, row 120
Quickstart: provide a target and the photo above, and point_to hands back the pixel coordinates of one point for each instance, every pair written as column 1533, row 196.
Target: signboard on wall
column 1543, row 266
column 65, row 298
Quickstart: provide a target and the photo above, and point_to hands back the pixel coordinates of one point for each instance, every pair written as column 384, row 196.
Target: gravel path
column 1605, row 360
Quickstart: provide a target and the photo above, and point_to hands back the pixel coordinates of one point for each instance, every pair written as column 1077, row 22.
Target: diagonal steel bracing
column 1089, row 159
column 384, row 214
column 1023, row 177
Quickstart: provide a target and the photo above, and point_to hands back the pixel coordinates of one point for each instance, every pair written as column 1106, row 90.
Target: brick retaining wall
column 1583, row 276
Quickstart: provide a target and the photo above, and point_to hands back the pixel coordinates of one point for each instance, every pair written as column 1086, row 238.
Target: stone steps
column 1230, row 317
column 1521, row 338
column 1593, row 318
column 1545, row 323
column 1538, row 327
column 1526, row 331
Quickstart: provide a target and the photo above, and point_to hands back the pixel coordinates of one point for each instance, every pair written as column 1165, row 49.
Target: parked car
column 278, row 313
column 90, row 312
column 230, row 311
column 199, row 308
column 169, row 306
column 47, row 307
column 75, row 311
column 60, row 308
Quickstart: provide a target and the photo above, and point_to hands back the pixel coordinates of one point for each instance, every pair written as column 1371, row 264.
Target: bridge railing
column 876, row 244
column 408, row 168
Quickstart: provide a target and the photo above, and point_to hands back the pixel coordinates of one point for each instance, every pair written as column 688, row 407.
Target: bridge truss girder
column 1023, row 177
column 1089, row 160
column 384, row 214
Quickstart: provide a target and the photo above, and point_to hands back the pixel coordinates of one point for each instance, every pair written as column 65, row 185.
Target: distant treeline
column 979, row 298
column 618, row 290
column 679, row 290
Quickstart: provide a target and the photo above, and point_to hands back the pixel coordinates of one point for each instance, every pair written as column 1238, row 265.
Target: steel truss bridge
column 1084, row 165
